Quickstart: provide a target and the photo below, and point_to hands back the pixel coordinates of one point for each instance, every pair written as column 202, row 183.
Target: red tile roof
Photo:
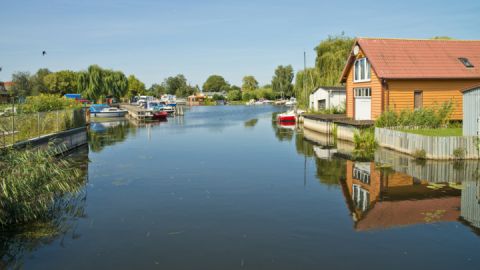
column 419, row 59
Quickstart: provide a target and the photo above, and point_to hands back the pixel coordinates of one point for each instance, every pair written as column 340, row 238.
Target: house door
column 363, row 103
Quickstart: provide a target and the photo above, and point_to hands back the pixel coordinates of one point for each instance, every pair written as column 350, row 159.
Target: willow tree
column 305, row 83
column 282, row 81
column 96, row 83
column 249, row 83
column 332, row 55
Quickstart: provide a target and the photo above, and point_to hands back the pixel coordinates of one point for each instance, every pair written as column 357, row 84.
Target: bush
column 434, row 117
column 234, row 95
column 420, row 154
column 365, row 143
column 459, row 153
column 46, row 103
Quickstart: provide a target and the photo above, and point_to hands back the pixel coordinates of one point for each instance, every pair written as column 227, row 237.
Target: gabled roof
column 332, row 88
column 419, row 59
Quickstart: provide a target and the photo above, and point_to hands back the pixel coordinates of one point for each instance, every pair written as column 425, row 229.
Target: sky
column 156, row 39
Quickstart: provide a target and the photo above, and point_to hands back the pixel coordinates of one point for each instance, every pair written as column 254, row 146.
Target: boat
column 103, row 110
column 160, row 115
column 287, row 117
column 291, row 102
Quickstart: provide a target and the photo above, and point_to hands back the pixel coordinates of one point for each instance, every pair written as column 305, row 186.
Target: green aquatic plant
column 365, row 143
column 32, row 182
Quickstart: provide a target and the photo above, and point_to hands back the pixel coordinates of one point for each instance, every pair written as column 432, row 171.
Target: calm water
column 225, row 188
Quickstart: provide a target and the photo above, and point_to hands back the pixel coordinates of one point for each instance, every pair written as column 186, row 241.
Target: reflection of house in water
column 381, row 199
column 471, row 203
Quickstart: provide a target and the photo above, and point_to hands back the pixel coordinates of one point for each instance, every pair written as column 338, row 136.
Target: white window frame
column 362, row 92
column 364, row 66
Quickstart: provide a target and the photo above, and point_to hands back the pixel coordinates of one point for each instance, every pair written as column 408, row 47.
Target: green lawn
column 436, row 131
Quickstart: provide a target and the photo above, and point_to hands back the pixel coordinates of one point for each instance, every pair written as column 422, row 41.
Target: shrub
column 434, row 117
column 365, row 143
column 459, row 153
column 387, row 119
column 45, row 103
column 420, row 154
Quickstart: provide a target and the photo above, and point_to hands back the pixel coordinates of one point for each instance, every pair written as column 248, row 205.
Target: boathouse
column 327, row 98
column 396, row 74
column 471, row 111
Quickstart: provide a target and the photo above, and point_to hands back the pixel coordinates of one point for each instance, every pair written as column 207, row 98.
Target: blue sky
column 157, row 39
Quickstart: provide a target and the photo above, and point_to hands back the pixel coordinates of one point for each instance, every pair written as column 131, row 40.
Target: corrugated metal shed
column 471, row 111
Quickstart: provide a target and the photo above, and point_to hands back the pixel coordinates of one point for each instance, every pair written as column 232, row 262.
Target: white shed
column 471, row 111
column 327, row 98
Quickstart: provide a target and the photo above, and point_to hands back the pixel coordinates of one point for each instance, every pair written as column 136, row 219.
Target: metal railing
column 17, row 127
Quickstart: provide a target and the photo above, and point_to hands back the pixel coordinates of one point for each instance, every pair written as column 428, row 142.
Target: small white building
column 471, row 111
column 327, row 97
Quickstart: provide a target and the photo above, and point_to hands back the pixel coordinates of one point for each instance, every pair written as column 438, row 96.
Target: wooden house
column 398, row 74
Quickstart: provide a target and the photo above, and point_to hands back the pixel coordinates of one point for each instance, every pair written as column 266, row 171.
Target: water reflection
column 395, row 190
column 18, row 242
column 109, row 132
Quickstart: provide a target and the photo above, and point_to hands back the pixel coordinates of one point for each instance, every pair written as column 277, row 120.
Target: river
column 224, row 187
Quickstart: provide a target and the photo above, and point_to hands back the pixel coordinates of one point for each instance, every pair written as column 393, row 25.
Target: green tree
column 135, row 86
column 234, row 95
column 22, row 86
column 61, row 82
column 332, row 55
column 91, row 82
column 249, row 83
column 115, row 84
column 311, row 78
column 234, row 87
column 442, row 37
column 157, row 90
column 38, row 83
column 282, row 81
column 178, row 86
column 216, row 83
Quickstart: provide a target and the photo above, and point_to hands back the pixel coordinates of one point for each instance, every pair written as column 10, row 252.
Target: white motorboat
column 101, row 110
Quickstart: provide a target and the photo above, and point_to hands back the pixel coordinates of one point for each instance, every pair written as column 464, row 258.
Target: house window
column 466, row 62
column 418, row 99
column 362, row 92
column 362, row 71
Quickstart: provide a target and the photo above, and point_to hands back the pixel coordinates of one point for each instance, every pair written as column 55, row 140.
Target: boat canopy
column 98, row 107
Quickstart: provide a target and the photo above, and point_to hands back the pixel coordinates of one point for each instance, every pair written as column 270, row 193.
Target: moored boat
column 160, row 115
column 287, row 117
column 103, row 110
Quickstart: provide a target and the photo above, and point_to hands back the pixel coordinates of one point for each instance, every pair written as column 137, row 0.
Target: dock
column 135, row 112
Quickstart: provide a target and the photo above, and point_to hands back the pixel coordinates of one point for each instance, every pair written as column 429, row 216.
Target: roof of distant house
column 333, row 88
column 420, row 58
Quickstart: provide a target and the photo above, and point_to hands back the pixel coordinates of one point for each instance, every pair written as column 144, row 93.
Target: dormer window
column 362, row 70
column 466, row 62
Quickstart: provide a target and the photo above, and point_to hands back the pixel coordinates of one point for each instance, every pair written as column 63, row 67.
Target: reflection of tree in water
column 18, row 241
column 251, row 122
column 331, row 172
column 109, row 135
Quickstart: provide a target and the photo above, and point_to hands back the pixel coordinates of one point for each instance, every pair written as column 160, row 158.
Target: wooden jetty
column 136, row 112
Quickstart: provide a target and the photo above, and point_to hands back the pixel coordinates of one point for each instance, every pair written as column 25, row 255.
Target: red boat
column 160, row 115
column 286, row 117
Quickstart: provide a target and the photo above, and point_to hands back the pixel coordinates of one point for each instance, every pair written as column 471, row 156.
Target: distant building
column 327, row 98
column 211, row 94
column 4, row 87
column 196, row 99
